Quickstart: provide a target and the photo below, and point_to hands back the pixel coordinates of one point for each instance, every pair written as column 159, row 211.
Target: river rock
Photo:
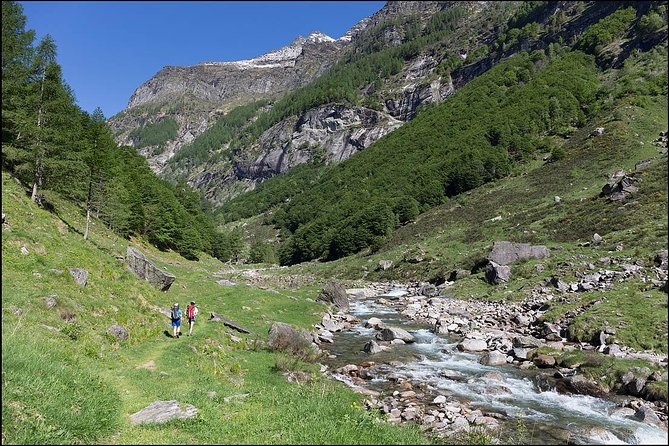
column 506, row 253
column 372, row 347
column 493, row 358
column 374, row 322
column 145, row 269
column 428, row 290
column 441, row 399
column 163, row 411
column 635, row 386
column 473, row 345
column 648, row 416
column 460, row 424
column 526, row 342
column 581, row 385
column 520, row 353
column 544, row 361
column 334, row 294
column 594, row 435
column 390, row 333
column 494, row 376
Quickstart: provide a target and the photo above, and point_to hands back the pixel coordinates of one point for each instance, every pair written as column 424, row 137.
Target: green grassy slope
column 66, row 381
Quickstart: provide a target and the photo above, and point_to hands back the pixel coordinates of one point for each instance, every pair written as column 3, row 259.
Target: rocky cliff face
column 328, row 134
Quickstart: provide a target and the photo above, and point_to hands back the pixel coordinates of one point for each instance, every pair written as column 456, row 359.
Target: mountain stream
column 434, row 363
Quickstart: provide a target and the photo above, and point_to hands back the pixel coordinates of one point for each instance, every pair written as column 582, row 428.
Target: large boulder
column 619, row 186
column 392, row 333
column 334, row 294
column 581, row 385
column 505, row 253
column 648, row 416
column 163, row 411
column 473, row 345
column 496, row 274
column 145, row 269
column 290, row 339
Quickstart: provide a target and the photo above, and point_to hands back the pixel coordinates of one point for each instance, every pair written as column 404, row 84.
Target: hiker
column 191, row 312
column 175, row 315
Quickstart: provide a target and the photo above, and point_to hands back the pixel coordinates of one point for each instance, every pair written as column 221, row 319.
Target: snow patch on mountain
column 283, row 57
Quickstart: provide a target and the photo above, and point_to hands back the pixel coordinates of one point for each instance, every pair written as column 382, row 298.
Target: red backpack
column 190, row 311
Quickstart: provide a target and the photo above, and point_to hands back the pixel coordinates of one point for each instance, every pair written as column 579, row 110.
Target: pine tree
column 16, row 59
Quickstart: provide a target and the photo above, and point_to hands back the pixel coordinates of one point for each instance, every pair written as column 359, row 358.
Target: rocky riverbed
column 423, row 356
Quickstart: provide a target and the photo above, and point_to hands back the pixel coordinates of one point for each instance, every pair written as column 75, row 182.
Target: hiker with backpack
column 175, row 315
column 191, row 312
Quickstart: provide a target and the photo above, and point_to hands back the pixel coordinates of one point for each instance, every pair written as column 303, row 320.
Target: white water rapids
column 546, row 415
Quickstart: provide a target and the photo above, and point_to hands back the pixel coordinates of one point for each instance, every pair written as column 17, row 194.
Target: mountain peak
column 319, row 37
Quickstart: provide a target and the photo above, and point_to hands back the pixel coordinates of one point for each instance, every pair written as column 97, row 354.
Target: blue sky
column 107, row 49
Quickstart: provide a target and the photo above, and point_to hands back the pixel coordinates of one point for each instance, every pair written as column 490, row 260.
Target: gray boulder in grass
column 287, row 338
column 163, row 411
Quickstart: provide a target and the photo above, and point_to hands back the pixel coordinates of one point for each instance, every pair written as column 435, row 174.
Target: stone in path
column 163, row 411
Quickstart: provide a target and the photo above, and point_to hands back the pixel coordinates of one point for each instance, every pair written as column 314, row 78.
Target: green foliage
column 606, row 30
column 406, row 209
column 227, row 246
column 155, row 134
column 557, row 153
column 224, row 130
column 650, row 23
column 50, row 143
column 262, row 252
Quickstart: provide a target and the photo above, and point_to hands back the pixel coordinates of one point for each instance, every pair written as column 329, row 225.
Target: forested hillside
column 51, row 145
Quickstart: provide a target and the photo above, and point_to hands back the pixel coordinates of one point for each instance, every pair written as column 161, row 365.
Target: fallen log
column 228, row 323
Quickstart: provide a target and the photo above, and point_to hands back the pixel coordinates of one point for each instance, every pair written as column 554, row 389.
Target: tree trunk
column 88, row 206
column 88, row 223
column 37, row 179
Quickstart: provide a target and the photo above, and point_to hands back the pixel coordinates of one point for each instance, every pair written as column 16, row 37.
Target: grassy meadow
column 65, row 380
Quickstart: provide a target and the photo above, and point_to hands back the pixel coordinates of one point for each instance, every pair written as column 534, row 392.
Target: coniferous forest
column 50, row 144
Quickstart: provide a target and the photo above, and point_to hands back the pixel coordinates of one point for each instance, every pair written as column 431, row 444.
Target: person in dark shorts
column 191, row 312
column 175, row 315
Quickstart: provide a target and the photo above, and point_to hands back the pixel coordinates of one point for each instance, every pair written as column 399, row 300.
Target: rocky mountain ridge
column 198, row 95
